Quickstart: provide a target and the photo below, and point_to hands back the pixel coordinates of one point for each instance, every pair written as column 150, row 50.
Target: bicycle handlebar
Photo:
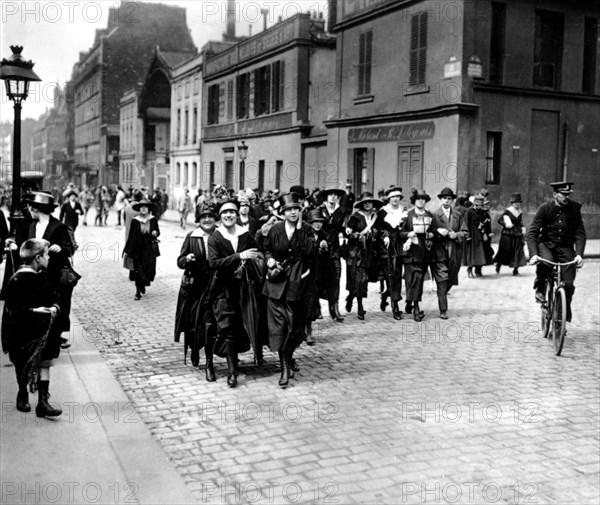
column 558, row 264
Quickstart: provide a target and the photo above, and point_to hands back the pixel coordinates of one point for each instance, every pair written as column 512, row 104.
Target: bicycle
column 554, row 306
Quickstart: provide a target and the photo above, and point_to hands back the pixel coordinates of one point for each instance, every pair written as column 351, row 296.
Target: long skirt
column 231, row 336
column 510, row 251
column 287, row 324
column 414, row 275
column 392, row 271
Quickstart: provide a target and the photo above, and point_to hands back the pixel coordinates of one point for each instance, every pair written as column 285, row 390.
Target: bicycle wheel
column 546, row 310
column 559, row 320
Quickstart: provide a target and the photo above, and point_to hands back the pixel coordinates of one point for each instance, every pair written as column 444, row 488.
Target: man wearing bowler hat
column 557, row 234
column 448, row 223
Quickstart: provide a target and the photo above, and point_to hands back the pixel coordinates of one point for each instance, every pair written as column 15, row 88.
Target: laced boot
column 23, row 399
column 478, row 272
column 397, row 313
column 232, row 371
column 418, row 314
column 285, row 371
column 384, row 303
column 210, row 369
column 44, row 409
column 361, row 310
column 334, row 312
column 309, row 334
column 349, row 299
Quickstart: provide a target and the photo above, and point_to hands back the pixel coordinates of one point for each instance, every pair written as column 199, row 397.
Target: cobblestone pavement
column 475, row 409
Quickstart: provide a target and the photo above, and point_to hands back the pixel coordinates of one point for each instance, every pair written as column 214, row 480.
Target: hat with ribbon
column 289, row 201
column 206, row 210
column 42, row 201
column 477, row 200
column 563, row 187
column 516, row 197
column 230, row 204
column 332, row 191
column 144, row 202
column 417, row 194
column 299, row 190
column 394, row 191
column 447, row 192
column 367, row 197
column 315, row 215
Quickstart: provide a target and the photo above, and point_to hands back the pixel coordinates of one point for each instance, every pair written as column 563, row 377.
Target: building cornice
column 485, row 87
column 303, row 129
column 441, row 111
column 368, row 14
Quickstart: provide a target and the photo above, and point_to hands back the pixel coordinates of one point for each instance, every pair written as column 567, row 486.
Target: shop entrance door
column 410, row 166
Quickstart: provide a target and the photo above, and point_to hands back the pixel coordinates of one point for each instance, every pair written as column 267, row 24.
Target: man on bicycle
column 557, row 234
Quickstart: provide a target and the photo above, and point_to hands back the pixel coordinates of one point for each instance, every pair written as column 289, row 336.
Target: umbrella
column 251, row 273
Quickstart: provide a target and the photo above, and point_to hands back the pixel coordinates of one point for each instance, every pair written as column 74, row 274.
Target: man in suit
column 557, row 234
column 69, row 214
column 449, row 223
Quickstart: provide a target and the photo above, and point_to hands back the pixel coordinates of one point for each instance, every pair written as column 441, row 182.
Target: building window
column 262, row 90
column 590, row 49
column 243, row 95
column 213, row 104
column 365, row 45
column 229, row 173
column 195, row 125
column 498, row 42
column 186, row 126
column 194, row 174
column 187, row 89
column 178, row 174
column 178, row 137
column 230, row 100
column 211, row 174
column 196, row 86
column 418, row 49
column 492, row 158
column 277, row 87
column 185, row 174
column 547, row 54
column 261, row 175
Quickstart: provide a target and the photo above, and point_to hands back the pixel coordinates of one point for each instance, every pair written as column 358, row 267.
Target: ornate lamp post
column 243, row 153
column 17, row 73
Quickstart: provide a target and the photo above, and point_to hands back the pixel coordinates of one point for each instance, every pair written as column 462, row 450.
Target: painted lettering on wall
column 410, row 131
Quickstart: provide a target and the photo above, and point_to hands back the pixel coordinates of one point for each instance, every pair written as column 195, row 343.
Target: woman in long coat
column 46, row 226
column 227, row 247
column 511, row 247
column 194, row 316
column 320, row 264
column 289, row 250
column 142, row 247
column 474, row 226
column 363, row 250
column 390, row 219
column 418, row 234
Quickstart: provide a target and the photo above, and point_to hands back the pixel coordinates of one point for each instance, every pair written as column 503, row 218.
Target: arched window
column 178, row 174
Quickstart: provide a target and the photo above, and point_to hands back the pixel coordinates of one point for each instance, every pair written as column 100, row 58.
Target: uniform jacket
column 545, row 216
column 297, row 254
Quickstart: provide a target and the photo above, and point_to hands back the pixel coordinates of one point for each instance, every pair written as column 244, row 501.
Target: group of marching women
column 247, row 285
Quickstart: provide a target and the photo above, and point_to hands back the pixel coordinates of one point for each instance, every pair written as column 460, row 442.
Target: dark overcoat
column 139, row 248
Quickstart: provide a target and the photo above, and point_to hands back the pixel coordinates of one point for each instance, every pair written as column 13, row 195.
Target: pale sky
column 53, row 33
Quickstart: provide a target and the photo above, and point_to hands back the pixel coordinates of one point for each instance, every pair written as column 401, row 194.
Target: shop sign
column 265, row 124
column 409, row 131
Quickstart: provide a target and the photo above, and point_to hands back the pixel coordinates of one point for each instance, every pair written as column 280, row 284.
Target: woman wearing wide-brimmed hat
column 228, row 246
column 333, row 226
column 142, row 246
column 362, row 264
column 418, row 234
column 390, row 218
column 194, row 315
column 511, row 249
column 289, row 249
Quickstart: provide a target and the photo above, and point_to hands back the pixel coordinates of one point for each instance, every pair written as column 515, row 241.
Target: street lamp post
column 17, row 73
column 243, row 153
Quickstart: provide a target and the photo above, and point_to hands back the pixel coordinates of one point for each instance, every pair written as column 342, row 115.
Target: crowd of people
column 257, row 265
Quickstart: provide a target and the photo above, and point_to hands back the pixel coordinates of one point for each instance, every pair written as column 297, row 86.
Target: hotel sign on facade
column 397, row 133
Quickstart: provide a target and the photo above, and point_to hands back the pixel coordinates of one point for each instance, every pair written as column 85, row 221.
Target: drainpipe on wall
column 565, row 167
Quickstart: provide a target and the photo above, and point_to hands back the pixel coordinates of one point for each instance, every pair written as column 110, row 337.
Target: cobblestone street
column 474, row 409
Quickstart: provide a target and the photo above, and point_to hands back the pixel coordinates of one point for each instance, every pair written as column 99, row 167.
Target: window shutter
column 361, row 63
column 422, row 47
column 267, row 89
column 368, row 56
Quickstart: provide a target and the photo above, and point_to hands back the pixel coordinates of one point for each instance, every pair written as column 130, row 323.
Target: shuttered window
column 213, row 104
column 243, row 95
column 277, row 88
column 418, row 48
column 365, row 53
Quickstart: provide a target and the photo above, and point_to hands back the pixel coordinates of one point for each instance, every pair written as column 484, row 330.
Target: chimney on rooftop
column 230, row 20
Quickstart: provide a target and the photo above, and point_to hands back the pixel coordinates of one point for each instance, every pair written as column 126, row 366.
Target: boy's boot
column 44, row 409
